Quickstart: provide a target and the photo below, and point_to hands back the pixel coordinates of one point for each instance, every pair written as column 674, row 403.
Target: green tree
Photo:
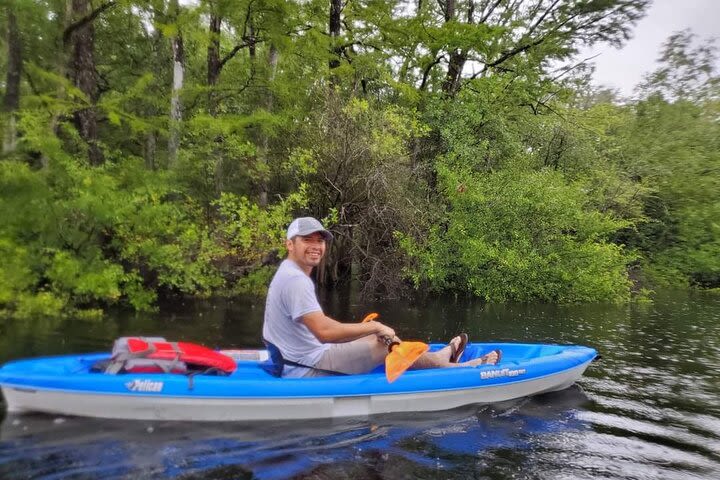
column 440, row 140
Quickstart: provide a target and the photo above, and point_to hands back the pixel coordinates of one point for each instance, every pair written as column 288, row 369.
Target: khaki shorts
column 359, row 356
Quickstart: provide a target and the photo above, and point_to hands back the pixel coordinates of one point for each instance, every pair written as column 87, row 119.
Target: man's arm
column 328, row 330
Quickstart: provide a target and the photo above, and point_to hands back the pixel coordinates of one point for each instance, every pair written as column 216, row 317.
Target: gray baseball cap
column 306, row 226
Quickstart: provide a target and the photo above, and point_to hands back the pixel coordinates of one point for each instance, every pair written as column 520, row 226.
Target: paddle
column 401, row 355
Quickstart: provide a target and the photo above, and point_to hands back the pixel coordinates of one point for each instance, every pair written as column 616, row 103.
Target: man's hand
column 383, row 331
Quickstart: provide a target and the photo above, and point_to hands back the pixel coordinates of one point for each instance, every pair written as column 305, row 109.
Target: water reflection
column 447, row 443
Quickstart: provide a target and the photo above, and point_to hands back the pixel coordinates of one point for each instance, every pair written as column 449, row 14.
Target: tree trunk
column 214, row 67
column 84, row 76
column 178, row 79
column 64, row 69
column 11, row 102
column 455, row 67
column 150, row 149
column 213, row 61
column 10, row 135
column 457, row 56
column 336, row 7
column 273, row 61
column 158, row 57
column 252, row 51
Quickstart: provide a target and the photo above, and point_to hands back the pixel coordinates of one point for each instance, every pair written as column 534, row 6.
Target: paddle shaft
column 389, row 342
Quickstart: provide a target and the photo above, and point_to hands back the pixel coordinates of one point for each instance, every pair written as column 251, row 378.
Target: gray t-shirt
column 290, row 296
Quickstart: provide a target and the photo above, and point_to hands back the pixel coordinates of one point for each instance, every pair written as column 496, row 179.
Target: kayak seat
column 276, row 363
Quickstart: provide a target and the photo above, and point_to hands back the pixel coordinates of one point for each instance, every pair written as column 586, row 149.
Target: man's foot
column 457, row 347
column 491, row 358
column 448, row 352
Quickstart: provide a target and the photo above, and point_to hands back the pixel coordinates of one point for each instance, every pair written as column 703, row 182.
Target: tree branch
column 236, row 49
column 360, row 43
column 426, row 72
column 573, row 67
column 490, row 11
column 509, row 54
column 537, row 23
column 85, row 20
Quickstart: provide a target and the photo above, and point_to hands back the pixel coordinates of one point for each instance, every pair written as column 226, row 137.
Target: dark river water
column 650, row 409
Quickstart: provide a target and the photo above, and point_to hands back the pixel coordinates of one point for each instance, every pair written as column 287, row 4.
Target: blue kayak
column 68, row 385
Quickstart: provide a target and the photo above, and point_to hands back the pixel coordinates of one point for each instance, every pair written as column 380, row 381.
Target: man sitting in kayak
column 313, row 344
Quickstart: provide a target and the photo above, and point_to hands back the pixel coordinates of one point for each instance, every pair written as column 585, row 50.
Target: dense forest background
column 157, row 147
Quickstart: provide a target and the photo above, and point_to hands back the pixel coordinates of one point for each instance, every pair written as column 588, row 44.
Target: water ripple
column 648, row 411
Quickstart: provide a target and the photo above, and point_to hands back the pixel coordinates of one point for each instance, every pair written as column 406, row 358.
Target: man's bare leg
column 441, row 358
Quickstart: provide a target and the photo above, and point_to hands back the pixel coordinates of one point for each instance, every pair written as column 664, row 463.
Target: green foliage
column 517, row 235
column 675, row 149
column 435, row 145
column 41, row 304
column 687, row 70
column 248, row 233
column 101, row 236
column 15, row 275
column 255, row 282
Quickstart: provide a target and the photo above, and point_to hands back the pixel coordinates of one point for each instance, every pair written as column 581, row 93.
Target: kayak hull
column 251, row 394
column 238, row 409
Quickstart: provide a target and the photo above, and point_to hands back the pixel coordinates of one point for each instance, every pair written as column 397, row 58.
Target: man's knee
column 378, row 349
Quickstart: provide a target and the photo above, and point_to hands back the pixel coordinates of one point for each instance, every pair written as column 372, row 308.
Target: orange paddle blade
column 370, row 316
column 401, row 357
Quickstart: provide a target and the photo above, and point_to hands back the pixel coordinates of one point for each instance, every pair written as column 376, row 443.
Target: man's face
column 306, row 250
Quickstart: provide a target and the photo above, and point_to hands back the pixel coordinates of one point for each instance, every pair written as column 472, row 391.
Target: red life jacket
column 156, row 355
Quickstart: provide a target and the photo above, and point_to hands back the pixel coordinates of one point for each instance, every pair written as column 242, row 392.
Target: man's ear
column 289, row 245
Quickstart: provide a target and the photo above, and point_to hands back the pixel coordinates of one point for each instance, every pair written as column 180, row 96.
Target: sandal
column 484, row 357
column 457, row 352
